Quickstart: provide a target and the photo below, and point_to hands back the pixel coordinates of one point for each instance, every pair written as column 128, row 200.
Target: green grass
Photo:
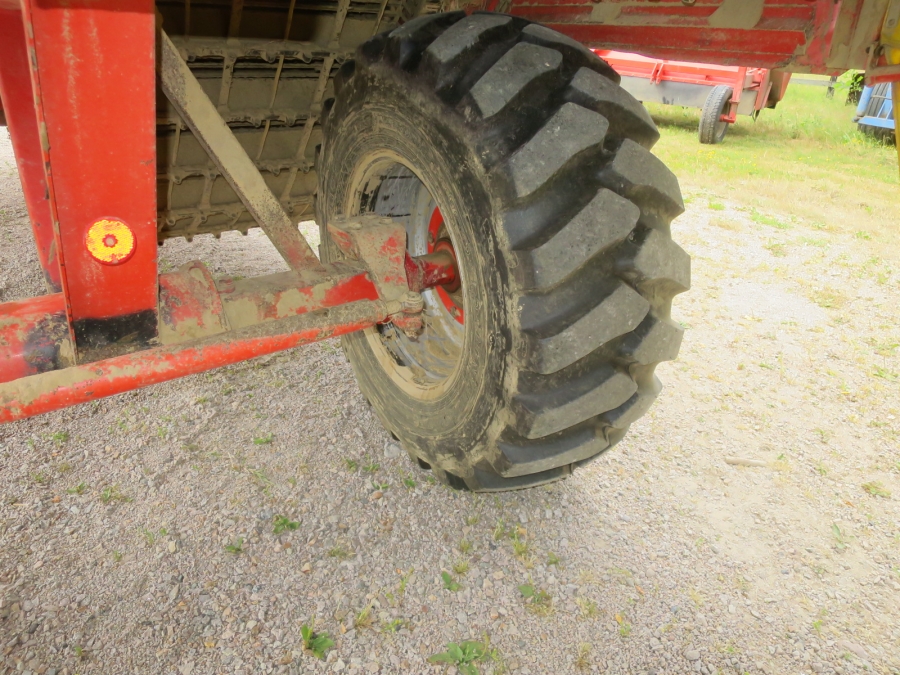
column 805, row 158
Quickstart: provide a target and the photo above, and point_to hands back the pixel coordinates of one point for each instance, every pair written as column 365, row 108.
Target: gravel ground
column 137, row 533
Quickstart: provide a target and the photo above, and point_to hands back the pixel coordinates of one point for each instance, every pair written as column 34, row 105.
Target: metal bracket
column 201, row 115
column 380, row 243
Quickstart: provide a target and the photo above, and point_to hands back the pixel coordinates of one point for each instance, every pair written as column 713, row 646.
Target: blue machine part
column 876, row 108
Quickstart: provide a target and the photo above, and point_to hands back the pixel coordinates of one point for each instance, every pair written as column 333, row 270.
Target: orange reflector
column 110, row 241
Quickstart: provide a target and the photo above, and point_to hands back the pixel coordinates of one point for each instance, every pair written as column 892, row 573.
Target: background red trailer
column 721, row 92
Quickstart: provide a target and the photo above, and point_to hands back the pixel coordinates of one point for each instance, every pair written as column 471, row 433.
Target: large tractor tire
column 515, row 144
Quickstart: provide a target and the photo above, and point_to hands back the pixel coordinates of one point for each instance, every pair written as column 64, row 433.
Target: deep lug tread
column 522, row 456
column 572, row 130
column 562, row 340
column 578, row 398
column 651, row 257
column 627, row 117
column 406, row 43
column 519, row 67
column 606, row 220
column 574, row 50
column 656, row 339
column 639, row 176
column 639, row 403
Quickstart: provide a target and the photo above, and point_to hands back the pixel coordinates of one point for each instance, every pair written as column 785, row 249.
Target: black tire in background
column 559, row 215
column 712, row 129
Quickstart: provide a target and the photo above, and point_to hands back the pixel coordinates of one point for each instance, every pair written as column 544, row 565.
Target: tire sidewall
column 378, row 117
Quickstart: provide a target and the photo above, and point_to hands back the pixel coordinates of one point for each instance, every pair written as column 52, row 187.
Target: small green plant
column 351, row 464
column 315, row 643
column 817, row 626
column 461, row 567
column 340, row 552
column 500, row 531
column 552, row 559
column 117, row 556
column 112, row 493
column 59, row 437
column 463, row 655
column 263, row 440
column 876, row 489
column 588, row 607
column 80, row 652
column 236, row 547
column 371, row 467
column 64, row 468
column 409, row 482
column 520, row 545
column 449, row 583
column 284, row 524
column 378, row 485
column 583, row 658
column 839, row 541
column 537, row 600
column 464, row 546
column 363, row 618
column 392, row 626
column 716, row 206
column 149, row 536
column 472, row 520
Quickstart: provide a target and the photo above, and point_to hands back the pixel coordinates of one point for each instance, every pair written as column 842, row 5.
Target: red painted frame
column 99, row 154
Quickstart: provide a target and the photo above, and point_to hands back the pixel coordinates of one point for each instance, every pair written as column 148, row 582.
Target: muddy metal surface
column 137, row 533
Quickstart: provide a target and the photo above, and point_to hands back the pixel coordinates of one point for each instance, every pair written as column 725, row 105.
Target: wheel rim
column 423, row 366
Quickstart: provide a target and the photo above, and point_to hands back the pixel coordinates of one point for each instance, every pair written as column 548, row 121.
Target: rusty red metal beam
column 33, row 337
column 18, row 106
column 54, row 390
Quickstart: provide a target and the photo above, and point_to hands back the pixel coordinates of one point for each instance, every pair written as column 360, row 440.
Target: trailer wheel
column 516, row 145
column 712, row 128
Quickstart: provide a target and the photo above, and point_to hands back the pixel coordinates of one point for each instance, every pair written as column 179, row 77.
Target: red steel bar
column 32, row 335
column 50, row 391
column 94, row 82
column 18, row 105
column 433, row 269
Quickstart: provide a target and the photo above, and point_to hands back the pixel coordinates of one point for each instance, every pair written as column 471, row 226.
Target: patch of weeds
column 461, row 567
column 862, row 235
column 236, row 547
column 827, row 298
column 371, row 467
column 885, row 374
column 500, row 530
column 776, row 249
column 63, row 468
column 363, row 618
column 464, row 546
column 449, row 583
column 822, row 469
column 284, row 524
column 583, row 658
column 771, row 221
column 876, row 489
column 624, row 626
column 80, row 652
column 409, row 482
column 117, row 556
column 472, row 520
column 463, row 655
column 60, row 437
column 839, row 541
column 520, row 545
column 716, row 206
column 589, row 608
column 552, row 559
column 377, row 485
column 315, row 643
column 392, row 626
column 112, row 493
column 537, row 601
column 340, row 552
column 351, row 464
column 263, row 440
column 40, row 478
column 262, row 479
column 817, row 626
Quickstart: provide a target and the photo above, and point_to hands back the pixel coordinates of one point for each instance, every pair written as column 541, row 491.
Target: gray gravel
column 660, row 557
